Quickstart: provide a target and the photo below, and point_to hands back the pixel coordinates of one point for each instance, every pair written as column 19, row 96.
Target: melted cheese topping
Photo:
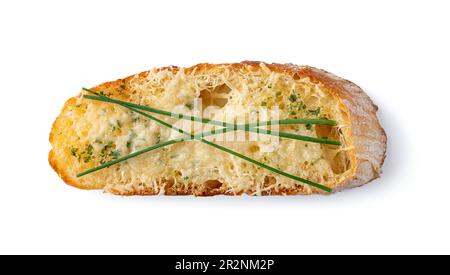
column 98, row 132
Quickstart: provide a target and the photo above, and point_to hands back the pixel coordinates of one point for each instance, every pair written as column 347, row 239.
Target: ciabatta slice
column 88, row 133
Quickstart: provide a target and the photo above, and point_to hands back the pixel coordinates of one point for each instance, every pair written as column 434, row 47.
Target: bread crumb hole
column 168, row 183
column 253, row 148
column 218, row 96
column 269, row 180
column 340, row 163
column 323, row 131
column 213, row 184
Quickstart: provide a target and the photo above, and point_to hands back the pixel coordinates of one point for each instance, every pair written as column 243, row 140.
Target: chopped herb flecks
column 293, row 98
column 85, row 155
column 115, row 154
column 315, row 112
column 108, row 154
column 158, row 138
column 301, row 106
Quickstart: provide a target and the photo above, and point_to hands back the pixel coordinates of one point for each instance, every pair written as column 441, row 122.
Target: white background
column 398, row 51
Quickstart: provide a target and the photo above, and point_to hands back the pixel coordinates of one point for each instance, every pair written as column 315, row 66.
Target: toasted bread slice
column 88, row 133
